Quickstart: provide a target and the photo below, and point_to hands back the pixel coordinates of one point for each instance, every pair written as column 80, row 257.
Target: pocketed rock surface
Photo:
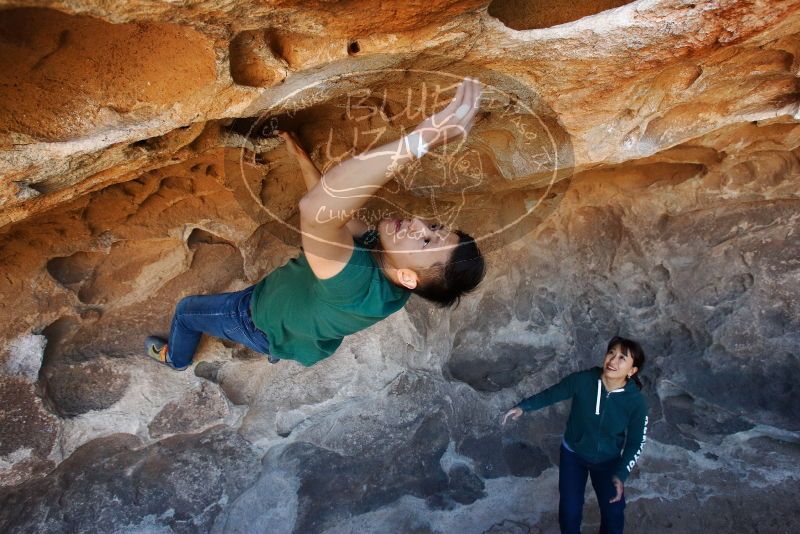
column 657, row 155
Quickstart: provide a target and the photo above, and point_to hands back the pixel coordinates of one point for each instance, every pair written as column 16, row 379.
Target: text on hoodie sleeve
column 635, row 437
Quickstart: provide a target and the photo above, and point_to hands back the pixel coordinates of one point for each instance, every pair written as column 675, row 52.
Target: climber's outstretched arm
column 326, row 209
column 311, row 174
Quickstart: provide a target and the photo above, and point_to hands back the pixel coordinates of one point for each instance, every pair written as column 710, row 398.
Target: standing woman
column 605, row 433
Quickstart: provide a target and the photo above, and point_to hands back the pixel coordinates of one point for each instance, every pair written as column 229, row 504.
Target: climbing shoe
column 156, row 348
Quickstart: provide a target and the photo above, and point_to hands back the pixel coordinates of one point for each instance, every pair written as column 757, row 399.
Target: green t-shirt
column 305, row 318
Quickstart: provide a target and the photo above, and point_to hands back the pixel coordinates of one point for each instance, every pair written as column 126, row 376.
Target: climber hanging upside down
column 347, row 277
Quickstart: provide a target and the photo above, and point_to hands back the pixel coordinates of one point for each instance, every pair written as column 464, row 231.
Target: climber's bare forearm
column 311, row 176
column 348, row 186
column 296, row 152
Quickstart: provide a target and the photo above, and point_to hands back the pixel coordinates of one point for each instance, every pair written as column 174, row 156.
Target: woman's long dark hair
column 631, row 347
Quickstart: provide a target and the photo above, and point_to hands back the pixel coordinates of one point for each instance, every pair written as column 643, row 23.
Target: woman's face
column 618, row 364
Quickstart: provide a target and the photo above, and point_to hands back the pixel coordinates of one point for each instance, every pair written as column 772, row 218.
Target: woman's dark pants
column 572, row 473
column 226, row 316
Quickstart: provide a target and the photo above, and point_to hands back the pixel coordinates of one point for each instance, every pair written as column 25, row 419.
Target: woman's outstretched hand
column 620, row 487
column 455, row 120
column 513, row 413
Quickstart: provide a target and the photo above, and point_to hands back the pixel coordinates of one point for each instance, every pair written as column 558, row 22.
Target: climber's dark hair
column 445, row 284
column 634, row 350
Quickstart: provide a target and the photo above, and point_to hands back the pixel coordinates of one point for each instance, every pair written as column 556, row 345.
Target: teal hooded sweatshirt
column 602, row 425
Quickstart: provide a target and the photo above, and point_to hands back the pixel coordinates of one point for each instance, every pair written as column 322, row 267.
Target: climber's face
column 618, row 364
column 414, row 244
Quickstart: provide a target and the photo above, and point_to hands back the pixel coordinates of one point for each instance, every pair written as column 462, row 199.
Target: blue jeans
column 226, row 316
column 572, row 473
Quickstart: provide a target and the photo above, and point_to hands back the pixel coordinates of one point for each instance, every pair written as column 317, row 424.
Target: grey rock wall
column 400, row 430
